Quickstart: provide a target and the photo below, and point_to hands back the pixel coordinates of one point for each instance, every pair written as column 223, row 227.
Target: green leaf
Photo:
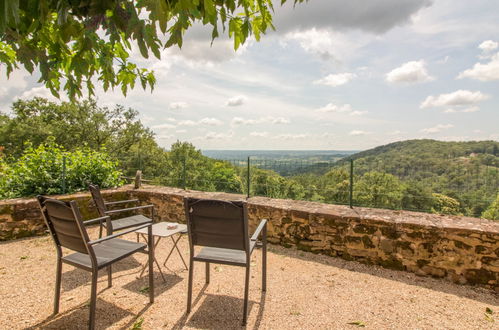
column 359, row 324
column 137, row 325
column 210, row 10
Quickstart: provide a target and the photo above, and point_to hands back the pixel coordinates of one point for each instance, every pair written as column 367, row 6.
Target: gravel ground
column 304, row 291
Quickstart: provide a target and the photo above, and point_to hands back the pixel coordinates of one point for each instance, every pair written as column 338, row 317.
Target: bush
column 492, row 211
column 40, row 171
column 445, row 205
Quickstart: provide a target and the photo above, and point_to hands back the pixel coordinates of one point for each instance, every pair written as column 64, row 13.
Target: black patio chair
column 65, row 224
column 221, row 228
column 121, row 223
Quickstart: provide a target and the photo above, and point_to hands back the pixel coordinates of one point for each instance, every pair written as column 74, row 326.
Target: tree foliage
column 492, row 211
column 76, row 43
column 82, row 124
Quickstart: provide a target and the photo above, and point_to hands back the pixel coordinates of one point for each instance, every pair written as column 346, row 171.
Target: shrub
column 445, row 205
column 492, row 211
column 40, row 171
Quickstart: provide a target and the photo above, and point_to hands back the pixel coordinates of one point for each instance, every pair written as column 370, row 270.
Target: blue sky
column 335, row 75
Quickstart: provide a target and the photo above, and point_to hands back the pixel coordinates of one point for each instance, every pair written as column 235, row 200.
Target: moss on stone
column 389, row 232
column 462, row 245
column 364, row 229
column 479, row 276
column 422, row 262
column 368, row 243
column 392, row 263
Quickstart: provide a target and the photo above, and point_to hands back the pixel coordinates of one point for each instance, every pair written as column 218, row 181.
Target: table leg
column 155, row 260
column 175, row 246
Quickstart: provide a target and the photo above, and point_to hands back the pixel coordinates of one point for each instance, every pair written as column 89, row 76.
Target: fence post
column 184, row 173
column 351, row 184
column 248, row 178
column 64, row 174
column 138, row 179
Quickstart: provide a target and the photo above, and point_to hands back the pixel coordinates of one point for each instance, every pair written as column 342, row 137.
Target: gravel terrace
column 304, row 291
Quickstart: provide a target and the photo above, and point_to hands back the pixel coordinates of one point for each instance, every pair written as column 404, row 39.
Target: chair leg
column 207, row 272
column 264, row 265
column 246, row 292
column 93, row 300
column 58, row 276
column 151, row 270
column 109, row 276
column 189, row 286
column 100, row 231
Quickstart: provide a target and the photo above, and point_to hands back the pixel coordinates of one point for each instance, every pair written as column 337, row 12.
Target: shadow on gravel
column 107, row 314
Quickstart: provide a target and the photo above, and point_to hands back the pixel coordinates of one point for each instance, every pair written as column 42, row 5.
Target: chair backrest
column 216, row 223
column 64, row 222
column 98, row 200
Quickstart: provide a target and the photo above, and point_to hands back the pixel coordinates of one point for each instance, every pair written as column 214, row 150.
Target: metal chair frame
column 218, row 250
column 84, row 246
column 129, row 222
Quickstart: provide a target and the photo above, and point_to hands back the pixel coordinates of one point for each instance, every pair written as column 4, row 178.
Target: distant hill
column 467, row 171
column 278, row 154
column 429, row 149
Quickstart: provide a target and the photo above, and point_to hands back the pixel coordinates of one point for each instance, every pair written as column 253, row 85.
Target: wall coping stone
column 364, row 213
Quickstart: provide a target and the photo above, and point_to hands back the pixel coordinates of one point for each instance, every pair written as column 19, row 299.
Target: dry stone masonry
column 461, row 249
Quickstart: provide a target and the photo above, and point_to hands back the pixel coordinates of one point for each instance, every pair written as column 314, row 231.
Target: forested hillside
column 465, row 171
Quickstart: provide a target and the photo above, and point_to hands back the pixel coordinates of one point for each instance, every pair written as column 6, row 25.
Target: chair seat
column 106, row 253
column 123, row 223
column 222, row 256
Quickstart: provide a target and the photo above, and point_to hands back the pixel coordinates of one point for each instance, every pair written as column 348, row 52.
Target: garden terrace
column 307, row 287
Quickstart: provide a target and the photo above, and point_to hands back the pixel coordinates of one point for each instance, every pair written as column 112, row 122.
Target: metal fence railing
column 459, row 189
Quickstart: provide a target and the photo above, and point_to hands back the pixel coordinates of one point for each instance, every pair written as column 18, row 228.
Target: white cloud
column 218, row 136
column 181, row 131
column 358, row 113
column 291, row 136
column 410, row 72
column 259, row 134
column 238, row 121
column 343, row 108
column 165, row 137
column 357, row 133
column 469, row 109
column 41, row 91
column 236, row 101
column 188, row 123
column 201, row 122
column 331, row 107
column 178, row 105
column 163, row 126
column 483, row 72
column 457, row 98
column 336, row 79
column 436, row 129
column 488, row 45
column 210, row 122
column 328, row 45
column 276, row 120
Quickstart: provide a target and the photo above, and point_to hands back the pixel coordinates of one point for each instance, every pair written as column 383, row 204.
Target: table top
column 161, row 229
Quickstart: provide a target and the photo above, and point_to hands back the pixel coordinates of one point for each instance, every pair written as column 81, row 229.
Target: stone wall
column 461, row 249
column 21, row 217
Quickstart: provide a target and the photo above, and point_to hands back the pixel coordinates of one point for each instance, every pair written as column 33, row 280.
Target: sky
column 335, row 75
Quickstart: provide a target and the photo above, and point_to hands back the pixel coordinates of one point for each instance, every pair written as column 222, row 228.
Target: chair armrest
column 131, row 230
column 259, row 229
column 96, row 220
column 122, row 202
column 130, row 209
